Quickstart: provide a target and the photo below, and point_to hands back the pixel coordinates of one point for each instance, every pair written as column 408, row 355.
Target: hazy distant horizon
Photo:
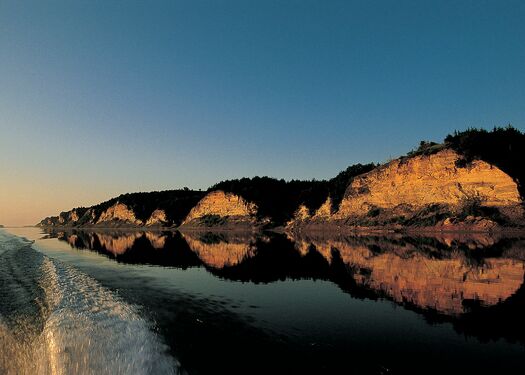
column 102, row 98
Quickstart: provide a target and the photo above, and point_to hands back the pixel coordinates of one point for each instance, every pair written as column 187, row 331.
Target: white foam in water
column 86, row 329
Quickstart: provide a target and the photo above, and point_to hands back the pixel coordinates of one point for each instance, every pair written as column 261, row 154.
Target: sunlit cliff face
column 408, row 275
column 407, row 185
column 223, row 205
column 424, row 180
column 158, row 217
column 119, row 211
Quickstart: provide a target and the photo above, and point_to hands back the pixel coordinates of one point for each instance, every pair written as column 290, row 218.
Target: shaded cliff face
column 220, row 209
column 405, row 187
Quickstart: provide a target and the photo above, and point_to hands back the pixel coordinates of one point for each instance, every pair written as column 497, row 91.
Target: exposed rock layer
column 118, row 212
column 406, row 186
column 425, row 180
column 158, row 217
column 219, row 209
column 423, row 191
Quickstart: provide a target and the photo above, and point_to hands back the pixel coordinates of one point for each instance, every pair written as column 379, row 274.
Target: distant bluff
column 473, row 181
column 158, row 208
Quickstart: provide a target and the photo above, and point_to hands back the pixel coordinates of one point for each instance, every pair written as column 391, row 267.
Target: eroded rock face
column 158, row 217
column 426, row 180
column 406, row 274
column 322, row 213
column 69, row 217
column 118, row 212
column 401, row 192
column 223, row 206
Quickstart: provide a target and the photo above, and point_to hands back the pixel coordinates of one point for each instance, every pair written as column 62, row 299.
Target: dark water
column 213, row 303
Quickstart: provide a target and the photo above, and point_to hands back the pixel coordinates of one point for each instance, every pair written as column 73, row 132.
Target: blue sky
column 104, row 97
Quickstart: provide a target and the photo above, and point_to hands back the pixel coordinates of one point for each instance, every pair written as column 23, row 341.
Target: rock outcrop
column 406, row 186
column 220, row 209
column 426, row 180
column 118, row 213
column 158, row 217
column 157, row 208
column 434, row 189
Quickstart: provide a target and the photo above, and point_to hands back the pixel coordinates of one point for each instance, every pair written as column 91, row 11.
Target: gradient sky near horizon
column 104, row 97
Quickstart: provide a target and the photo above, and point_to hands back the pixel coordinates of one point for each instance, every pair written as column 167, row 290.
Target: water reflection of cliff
column 439, row 274
column 220, row 250
column 447, row 275
column 134, row 247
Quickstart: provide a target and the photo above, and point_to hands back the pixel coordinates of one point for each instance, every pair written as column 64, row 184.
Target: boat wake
column 56, row 320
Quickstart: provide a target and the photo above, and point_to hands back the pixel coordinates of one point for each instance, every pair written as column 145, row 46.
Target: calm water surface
column 237, row 303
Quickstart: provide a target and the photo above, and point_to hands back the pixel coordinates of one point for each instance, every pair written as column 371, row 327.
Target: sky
column 99, row 98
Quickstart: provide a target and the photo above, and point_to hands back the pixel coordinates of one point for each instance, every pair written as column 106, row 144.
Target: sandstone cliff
column 159, row 209
column 463, row 184
column 433, row 185
column 220, row 209
column 158, row 217
column 118, row 213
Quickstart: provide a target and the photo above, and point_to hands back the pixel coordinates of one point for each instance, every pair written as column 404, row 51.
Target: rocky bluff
column 471, row 182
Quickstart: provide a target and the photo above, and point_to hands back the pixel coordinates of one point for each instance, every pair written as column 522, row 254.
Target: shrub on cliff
column 426, row 148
